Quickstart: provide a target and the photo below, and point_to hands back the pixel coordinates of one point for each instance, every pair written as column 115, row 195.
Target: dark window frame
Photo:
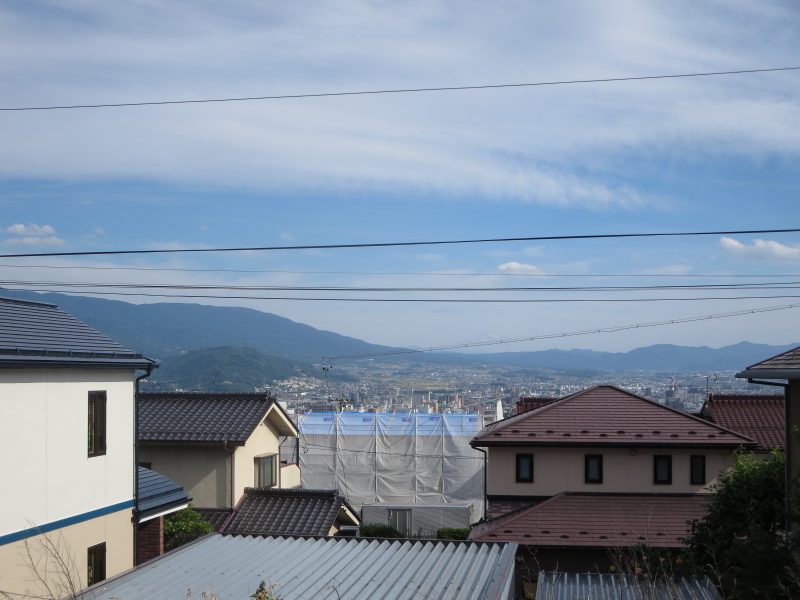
column 586, row 471
column 524, row 477
column 700, row 459
column 97, row 442
column 257, row 483
column 96, row 563
column 668, row 459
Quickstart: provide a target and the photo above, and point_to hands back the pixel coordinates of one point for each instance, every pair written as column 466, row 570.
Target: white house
column 67, row 403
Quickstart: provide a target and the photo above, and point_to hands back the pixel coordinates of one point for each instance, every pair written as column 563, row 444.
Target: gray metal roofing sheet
column 607, row 586
column 158, row 493
column 304, row 568
column 35, row 332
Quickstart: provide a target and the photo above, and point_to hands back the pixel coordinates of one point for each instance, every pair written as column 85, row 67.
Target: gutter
column 136, row 395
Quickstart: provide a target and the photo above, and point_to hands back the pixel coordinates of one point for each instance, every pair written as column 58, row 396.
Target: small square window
column 96, row 564
column 97, row 423
column 593, row 468
column 524, row 468
column 266, row 475
column 698, row 469
column 662, row 469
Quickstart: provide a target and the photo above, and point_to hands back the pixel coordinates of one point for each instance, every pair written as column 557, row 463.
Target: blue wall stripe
column 87, row 516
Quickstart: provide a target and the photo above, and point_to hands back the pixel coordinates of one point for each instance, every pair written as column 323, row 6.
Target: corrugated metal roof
column 40, row 333
column 607, row 586
column 158, row 493
column 607, row 416
column 783, row 366
column 310, row 568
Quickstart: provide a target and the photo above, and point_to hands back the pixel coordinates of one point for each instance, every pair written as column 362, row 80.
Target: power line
column 765, row 285
column 418, row 273
column 538, row 238
column 411, row 300
column 550, row 336
column 418, row 90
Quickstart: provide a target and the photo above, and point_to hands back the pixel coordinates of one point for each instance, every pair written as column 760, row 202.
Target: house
column 761, row 417
column 290, row 512
column 215, row 444
column 320, row 567
column 67, row 396
column 158, row 496
column 612, row 453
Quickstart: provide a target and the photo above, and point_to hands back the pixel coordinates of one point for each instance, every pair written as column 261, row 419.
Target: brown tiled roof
column 607, row 416
column 598, row 520
column 782, row 366
column 526, row 403
column 759, row 417
column 285, row 512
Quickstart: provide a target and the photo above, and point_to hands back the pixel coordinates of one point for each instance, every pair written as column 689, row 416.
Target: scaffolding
column 396, row 458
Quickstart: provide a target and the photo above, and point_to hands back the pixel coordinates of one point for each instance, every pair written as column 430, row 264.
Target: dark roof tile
column 158, row 493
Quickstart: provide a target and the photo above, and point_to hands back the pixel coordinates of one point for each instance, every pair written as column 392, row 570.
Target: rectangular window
column 593, row 468
column 97, row 423
column 524, row 468
column 96, row 564
column 662, row 469
column 698, row 468
column 266, row 471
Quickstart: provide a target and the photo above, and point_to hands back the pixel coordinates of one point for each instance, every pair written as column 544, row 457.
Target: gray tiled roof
column 200, row 418
column 301, row 568
column 43, row 334
column 782, row 366
column 215, row 516
column 158, row 493
column 285, row 512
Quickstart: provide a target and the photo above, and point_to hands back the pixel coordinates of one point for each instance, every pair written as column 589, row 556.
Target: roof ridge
column 772, row 357
column 23, row 301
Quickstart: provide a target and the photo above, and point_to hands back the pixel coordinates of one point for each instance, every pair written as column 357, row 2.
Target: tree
column 184, row 526
column 741, row 540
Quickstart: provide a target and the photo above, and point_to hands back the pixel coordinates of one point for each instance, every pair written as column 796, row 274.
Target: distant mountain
column 169, row 331
column 223, row 369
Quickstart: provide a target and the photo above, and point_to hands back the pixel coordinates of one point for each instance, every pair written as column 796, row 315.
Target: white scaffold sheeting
column 393, row 458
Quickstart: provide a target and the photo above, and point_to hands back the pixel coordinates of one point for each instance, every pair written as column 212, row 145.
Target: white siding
column 43, row 438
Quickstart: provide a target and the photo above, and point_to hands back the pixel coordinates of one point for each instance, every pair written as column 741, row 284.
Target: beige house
column 215, row 444
column 67, row 398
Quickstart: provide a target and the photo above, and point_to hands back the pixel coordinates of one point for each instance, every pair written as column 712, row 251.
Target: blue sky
column 689, row 154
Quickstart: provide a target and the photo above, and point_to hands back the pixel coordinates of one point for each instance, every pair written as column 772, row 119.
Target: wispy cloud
column 519, row 268
column 286, row 237
column 768, row 250
column 31, row 234
column 30, row 229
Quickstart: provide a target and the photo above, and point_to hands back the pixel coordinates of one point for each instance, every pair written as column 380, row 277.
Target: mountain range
column 194, row 341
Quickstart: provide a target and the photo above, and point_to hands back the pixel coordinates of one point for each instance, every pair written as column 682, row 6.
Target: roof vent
column 584, row 431
column 603, row 537
column 641, row 537
column 531, row 434
column 526, row 535
column 545, row 531
column 711, row 435
column 564, row 536
column 656, row 432
column 583, row 532
column 507, row 531
column 638, row 435
column 549, row 431
column 603, row 435
column 622, row 533
column 692, row 432
column 570, row 435
column 620, row 431
column 674, row 435
column 492, row 535
column 515, row 431
column 497, row 434
column 660, row 534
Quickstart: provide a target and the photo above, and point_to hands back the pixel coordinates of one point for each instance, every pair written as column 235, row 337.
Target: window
column 266, row 471
column 400, row 519
column 146, row 465
column 662, row 469
column 593, row 468
column 97, row 423
column 698, row 469
column 524, row 468
column 96, row 564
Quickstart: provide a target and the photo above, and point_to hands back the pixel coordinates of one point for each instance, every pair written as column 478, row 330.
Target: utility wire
column 418, row 90
column 538, row 238
column 550, row 336
column 424, row 273
column 765, row 285
column 410, row 300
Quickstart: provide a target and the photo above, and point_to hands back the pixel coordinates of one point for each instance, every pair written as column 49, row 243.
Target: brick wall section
column 149, row 540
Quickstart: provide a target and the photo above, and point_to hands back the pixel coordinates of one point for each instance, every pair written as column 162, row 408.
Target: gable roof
column 42, row 334
column 598, row 521
column 761, row 417
column 158, row 494
column 302, row 568
column 782, row 366
column 207, row 417
column 286, row 512
column 605, row 415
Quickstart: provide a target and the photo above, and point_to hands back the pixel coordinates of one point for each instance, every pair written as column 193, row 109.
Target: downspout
column 787, row 454
column 136, row 397
column 485, row 501
column 233, row 475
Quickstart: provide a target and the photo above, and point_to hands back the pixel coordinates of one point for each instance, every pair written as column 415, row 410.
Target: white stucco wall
column 559, row 470
column 264, row 440
column 43, row 436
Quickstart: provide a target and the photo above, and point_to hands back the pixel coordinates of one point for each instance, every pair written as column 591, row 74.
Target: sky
column 693, row 154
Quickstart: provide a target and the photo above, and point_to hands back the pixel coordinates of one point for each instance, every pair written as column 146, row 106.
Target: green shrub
column 452, row 533
column 378, row 530
column 184, row 526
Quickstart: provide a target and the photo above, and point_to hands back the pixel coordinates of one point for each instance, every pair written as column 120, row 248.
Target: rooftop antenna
column 326, row 366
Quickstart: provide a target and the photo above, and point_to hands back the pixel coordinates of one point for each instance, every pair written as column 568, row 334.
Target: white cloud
column 286, row 236
column 30, row 229
column 28, row 240
column 519, row 268
column 769, row 250
column 99, row 231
